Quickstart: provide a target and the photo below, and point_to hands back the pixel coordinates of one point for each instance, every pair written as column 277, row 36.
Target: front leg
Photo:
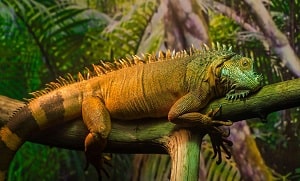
column 97, row 119
column 184, row 113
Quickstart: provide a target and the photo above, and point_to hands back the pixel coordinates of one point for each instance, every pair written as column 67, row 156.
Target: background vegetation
column 41, row 40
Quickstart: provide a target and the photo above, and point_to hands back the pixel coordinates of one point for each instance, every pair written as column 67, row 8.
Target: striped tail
column 40, row 113
column 11, row 137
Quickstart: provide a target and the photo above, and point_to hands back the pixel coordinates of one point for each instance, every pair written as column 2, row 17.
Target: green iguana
column 175, row 85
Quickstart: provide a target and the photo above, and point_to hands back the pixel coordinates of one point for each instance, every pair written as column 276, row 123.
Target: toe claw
column 217, row 135
column 93, row 148
column 219, row 161
column 218, row 143
column 228, row 142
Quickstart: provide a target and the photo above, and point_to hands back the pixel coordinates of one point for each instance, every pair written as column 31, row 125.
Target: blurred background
column 43, row 39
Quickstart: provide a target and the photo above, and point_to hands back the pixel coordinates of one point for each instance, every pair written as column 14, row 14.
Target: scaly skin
column 176, row 86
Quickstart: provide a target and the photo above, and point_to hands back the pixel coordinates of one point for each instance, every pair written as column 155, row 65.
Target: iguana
column 175, row 85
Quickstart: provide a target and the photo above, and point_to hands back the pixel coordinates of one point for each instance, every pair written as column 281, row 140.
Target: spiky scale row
column 236, row 95
column 106, row 67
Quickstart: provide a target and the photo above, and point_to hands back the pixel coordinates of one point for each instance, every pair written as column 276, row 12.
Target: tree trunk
column 185, row 24
column 184, row 148
column 277, row 40
column 272, row 36
column 247, row 155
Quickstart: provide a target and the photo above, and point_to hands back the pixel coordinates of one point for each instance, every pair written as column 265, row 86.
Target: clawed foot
column 219, row 141
column 218, row 136
column 93, row 147
column 212, row 113
column 99, row 162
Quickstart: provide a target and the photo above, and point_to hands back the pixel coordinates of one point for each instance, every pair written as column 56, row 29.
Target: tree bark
column 231, row 13
column 277, row 40
column 272, row 36
column 186, row 25
column 184, row 148
column 247, row 155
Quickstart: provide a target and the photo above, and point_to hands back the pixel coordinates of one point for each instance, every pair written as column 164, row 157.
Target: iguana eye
column 245, row 63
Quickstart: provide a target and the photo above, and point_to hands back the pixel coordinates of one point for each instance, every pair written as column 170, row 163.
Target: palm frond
column 33, row 35
column 129, row 33
column 227, row 170
column 52, row 28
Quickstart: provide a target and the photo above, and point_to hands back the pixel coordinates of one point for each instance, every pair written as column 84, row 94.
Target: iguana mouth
column 237, row 91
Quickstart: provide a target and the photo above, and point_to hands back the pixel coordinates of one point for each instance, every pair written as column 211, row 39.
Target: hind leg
column 97, row 119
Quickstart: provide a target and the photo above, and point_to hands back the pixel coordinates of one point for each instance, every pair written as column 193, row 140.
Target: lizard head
column 238, row 77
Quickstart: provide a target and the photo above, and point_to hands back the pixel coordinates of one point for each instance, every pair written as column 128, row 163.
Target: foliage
column 109, row 7
column 227, row 170
column 222, row 29
column 15, row 47
column 50, row 164
column 278, row 133
column 286, row 16
column 40, row 38
column 48, row 38
column 54, row 31
column 121, row 38
column 265, row 130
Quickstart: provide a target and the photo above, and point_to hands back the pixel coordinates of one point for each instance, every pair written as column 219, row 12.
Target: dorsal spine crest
column 107, row 67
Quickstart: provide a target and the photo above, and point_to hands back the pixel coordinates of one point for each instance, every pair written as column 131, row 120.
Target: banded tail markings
column 38, row 113
column 73, row 109
column 72, row 101
column 9, row 142
column 47, row 110
column 23, row 124
column 10, row 139
column 6, row 155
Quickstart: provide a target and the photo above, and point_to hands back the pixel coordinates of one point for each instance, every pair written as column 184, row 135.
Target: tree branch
column 151, row 135
column 267, row 27
column 277, row 40
column 231, row 13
